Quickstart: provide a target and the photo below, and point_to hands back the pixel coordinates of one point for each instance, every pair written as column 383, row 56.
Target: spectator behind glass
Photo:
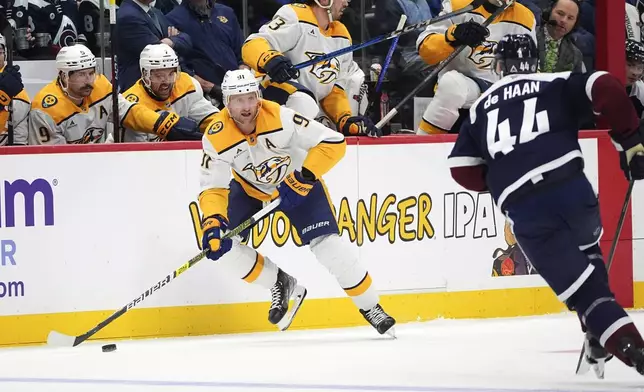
column 139, row 25
column 259, row 11
column 217, row 38
column 557, row 50
column 634, row 72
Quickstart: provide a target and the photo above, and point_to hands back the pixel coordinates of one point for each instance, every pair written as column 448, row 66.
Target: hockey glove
column 211, row 241
column 216, row 94
column 478, row 3
column 358, row 125
column 10, row 84
column 278, row 67
column 294, row 189
column 469, row 33
column 173, row 128
column 632, row 162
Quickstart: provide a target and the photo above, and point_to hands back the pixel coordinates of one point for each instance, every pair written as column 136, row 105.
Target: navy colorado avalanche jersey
column 522, row 127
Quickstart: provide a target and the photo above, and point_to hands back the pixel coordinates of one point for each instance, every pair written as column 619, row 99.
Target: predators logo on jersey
column 271, row 171
column 326, row 71
column 483, row 55
column 92, row 135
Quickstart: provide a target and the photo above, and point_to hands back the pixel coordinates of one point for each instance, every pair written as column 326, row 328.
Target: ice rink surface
column 498, row 355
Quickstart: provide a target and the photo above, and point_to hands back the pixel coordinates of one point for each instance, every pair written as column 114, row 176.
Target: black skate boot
column 594, row 356
column 381, row 321
column 285, row 288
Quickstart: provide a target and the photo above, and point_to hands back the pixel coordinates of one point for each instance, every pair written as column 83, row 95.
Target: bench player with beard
column 520, row 143
column 76, row 107
column 463, row 80
column 162, row 86
column 272, row 150
column 12, row 90
column 299, row 33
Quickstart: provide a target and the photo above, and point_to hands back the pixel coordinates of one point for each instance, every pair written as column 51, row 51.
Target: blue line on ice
column 217, row 384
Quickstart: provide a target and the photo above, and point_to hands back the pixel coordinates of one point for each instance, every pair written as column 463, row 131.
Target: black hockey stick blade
column 584, row 366
column 57, row 339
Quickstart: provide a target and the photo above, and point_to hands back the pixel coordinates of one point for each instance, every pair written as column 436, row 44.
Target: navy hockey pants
column 558, row 229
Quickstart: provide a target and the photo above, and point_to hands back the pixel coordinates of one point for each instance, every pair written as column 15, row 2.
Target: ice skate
column 381, row 321
column 633, row 353
column 593, row 356
column 285, row 289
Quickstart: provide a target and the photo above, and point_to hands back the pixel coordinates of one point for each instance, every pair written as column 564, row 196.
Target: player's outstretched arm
column 263, row 51
column 466, row 161
column 214, row 178
column 200, row 109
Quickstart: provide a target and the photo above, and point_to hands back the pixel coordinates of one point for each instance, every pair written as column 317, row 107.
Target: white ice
column 498, row 355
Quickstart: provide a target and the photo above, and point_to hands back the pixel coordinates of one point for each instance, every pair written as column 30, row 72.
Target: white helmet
column 239, row 81
column 75, row 58
column 3, row 42
column 158, row 56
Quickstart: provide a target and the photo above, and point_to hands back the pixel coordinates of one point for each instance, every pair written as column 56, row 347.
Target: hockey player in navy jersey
column 520, row 143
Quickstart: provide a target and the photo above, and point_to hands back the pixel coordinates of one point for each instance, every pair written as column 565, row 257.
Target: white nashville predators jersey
column 186, row 100
column 281, row 143
column 56, row 119
column 294, row 31
column 474, row 62
column 636, row 93
column 19, row 119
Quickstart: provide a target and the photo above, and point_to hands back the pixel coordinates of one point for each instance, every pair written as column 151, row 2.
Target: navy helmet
column 634, row 51
column 516, row 54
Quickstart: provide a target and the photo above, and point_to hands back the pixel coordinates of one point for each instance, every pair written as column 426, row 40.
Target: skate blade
column 599, row 368
column 391, row 332
column 299, row 293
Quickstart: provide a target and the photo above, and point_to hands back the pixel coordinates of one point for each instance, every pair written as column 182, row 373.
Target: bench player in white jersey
column 12, row 90
column 463, row 80
column 76, row 107
column 163, row 86
column 272, row 150
column 299, row 33
column 634, row 73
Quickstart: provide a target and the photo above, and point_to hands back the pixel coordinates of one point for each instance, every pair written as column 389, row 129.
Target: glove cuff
column 449, row 35
column 164, row 124
column 214, row 221
column 342, row 121
column 5, row 99
column 298, row 183
column 266, row 57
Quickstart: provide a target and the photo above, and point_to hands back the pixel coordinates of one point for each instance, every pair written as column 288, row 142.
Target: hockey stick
column 58, row 339
column 611, row 253
column 390, row 54
column 8, row 38
column 435, row 72
column 116, row 118
column 384, row 37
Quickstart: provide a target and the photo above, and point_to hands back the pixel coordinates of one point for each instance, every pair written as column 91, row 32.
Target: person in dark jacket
column 138, row 25
column 557, row 50
column 217, row 40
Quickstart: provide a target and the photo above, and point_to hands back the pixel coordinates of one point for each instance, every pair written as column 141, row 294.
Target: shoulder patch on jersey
column 215, row 127
column 132, row 98
column 222, row 19
column 49, row 101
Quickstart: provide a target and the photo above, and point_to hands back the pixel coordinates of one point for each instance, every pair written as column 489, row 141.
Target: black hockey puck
column 108, row 348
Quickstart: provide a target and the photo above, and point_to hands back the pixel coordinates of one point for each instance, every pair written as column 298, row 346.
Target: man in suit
column 138, row 25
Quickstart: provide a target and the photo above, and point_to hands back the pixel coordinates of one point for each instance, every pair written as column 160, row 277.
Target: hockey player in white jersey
column 299, row 33
column 634, row 73
column 76, row 107
column 162, row 86
column 12, row 91
column 272, row 150
column 463, row 80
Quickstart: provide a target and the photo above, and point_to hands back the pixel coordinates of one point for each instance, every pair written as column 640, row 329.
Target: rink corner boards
column 26, row 327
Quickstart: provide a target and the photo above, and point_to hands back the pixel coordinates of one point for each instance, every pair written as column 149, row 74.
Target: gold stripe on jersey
column 250, row 189
column 253, row 50
column 214, row 202
column 138, row 94
column 57, row 105
column 305, row 15
column 254, row 272
column 269, row 119
column 141, row 119
column 323, row 157
column 336, row 104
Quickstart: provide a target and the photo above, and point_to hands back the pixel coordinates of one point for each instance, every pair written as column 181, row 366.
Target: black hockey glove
column 278, row 67
column 469, row 33
column 216, row 94
column 632, row 162
column 173, row 128
column 358, row 126
column 477, row 3
column 10, row 84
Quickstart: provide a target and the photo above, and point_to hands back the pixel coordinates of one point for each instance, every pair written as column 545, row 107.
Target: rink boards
column 87, row 229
